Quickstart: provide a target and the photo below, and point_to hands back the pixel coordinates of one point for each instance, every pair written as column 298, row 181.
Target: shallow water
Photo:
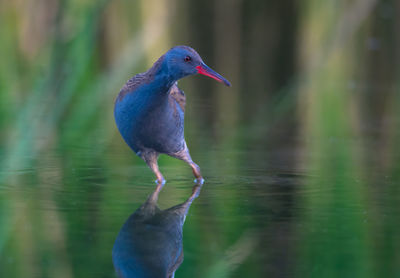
column 301, row 155
column 263, row 211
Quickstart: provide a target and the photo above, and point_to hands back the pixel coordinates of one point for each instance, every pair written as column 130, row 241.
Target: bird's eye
column 188, row 59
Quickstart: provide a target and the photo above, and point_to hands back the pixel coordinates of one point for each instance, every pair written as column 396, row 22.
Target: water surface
column 263, row 211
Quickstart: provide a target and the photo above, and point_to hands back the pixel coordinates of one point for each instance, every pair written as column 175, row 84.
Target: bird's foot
column 160, row 181
column 197, row 173
column 199, row 180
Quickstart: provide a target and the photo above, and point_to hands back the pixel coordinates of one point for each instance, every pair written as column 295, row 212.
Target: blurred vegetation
column 305, row 142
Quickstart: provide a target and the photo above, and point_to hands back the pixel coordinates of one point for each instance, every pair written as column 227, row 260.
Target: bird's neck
column 163, row 83
column 160, row 76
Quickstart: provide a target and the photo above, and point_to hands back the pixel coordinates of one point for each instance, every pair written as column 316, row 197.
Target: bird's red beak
column 207, row 71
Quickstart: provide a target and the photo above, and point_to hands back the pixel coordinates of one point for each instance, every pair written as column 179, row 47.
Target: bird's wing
column 178, row 95
column 131, row 85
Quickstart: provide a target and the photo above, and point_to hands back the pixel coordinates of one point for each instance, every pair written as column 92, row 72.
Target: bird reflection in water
column 149, row 244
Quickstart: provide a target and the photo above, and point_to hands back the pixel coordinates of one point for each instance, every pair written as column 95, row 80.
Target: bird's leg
column 151, row 158
column 185, row 156
column 160, row 179
column 196, row 172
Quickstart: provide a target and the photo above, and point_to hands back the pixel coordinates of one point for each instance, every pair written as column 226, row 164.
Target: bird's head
column 183, row 61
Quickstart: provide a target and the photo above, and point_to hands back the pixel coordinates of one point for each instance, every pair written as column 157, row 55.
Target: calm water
column 301, row 155
column 264, row 210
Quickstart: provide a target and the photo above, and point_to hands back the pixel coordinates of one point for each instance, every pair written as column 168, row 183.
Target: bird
column 150, row 243
column 149, row 109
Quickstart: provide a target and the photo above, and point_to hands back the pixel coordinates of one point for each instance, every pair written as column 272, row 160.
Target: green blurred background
column 301, row 155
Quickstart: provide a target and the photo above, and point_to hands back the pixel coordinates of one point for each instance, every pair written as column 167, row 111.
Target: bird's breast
column 150, row 120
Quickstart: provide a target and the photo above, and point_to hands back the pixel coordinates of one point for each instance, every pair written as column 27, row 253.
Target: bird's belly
column 162, row 132
column 155, row 125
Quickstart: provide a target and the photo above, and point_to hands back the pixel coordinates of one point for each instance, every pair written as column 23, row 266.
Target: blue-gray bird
column 149, row 110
